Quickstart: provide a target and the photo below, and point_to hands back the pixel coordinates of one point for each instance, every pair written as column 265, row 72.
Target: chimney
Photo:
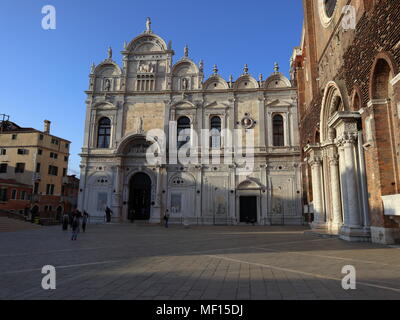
column 47, row 126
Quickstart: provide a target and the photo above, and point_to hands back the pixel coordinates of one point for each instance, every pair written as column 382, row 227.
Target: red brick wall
column 377, row 34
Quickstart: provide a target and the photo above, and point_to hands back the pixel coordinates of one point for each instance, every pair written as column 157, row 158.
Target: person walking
column 65, row 221
column 70, row 219
column 166, row 218
column 132, row 215
column 75, row 227
column 108, row 214
column 84, row 220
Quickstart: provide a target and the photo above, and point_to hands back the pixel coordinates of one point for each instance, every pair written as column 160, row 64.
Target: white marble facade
column 148, row 92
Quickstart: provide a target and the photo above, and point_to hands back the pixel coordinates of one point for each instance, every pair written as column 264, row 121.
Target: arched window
column 104, row 133
column 278, row 132
column 183, row 133
column 215, row 134
column 330, row 6
column 385, row 122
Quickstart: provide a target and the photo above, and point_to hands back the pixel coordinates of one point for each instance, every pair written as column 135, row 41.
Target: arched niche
column 332, row 102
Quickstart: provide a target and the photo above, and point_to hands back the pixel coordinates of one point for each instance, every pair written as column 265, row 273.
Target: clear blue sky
column 45, row 73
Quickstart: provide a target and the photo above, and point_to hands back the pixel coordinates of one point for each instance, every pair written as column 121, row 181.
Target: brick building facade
column 347, row 72
column 15, row 196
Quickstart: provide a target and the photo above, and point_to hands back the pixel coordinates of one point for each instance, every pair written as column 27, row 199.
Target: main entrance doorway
column 248, row 209
column 139, row 197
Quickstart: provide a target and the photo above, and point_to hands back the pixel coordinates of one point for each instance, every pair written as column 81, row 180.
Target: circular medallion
column 247, row 122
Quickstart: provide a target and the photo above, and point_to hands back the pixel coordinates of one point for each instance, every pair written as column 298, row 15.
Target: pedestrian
column 166, row 218
column 65, row 221
column 75, row 227
column 84, row 220
column 26, row 213
column 33, row 214
column 132, row 215
column 70, row 219
column 108, row 214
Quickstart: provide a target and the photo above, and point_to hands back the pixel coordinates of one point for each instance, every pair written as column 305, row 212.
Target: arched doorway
column 248, row 202
column 139, row 197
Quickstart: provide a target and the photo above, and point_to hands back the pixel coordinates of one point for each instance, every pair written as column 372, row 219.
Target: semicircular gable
column 277, row 81
column 215, row 83
column 107, row 69
column 246, row 82
column 185, row 67
column 147, row 43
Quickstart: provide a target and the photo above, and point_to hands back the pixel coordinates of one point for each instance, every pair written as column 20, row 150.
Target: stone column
column 261, row 112
column 342, row 173
column 351, row 180
column 317, row 187
column 336, row 194
column 117, row 193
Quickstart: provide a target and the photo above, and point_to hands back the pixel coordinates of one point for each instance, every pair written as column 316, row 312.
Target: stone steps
column 321, row 234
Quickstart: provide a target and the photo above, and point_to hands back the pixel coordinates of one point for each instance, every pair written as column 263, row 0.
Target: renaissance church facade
column 149, row 92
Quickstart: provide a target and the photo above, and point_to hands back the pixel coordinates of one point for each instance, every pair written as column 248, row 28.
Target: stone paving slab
column 13, row 225
column 124, row 262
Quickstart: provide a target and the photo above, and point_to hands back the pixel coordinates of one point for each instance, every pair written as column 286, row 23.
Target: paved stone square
column 124, row 261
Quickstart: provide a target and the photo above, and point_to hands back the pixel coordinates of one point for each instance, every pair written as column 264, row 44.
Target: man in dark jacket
column 108, row 214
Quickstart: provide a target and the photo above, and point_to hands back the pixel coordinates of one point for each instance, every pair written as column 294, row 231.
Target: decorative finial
column 201, row 65
column 230, row 80
column 170, row 45
column 125, row 45
column 186, row 51
column 215, row 69
column 148, row 25
column 246, row 69
column 109, row 52
column 260, row 77
column 92, row 68
column 276, row 67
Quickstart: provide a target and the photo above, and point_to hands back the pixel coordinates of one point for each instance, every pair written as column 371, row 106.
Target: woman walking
column 84, row 220
column 65, row 221
column 75, row 227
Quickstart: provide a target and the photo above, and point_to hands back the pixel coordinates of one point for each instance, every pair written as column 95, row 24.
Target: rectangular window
column 53, row 155
column 55, row 141
column 14, row 137
column 38, row 167
column 3, row 168
column 20, row 168
column 67, row 145
column 40, row 151
column 14, row 194
column 66, row 158
column 23, row 151
column 3, row 195
column 53, row 170
column 3, row 152
column 36, row 188
column 64, row 172
column 50, row 189
column 23, row 195
column 41, row 137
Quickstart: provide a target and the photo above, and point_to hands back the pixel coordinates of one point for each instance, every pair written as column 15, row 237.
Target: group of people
column 75, row 220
